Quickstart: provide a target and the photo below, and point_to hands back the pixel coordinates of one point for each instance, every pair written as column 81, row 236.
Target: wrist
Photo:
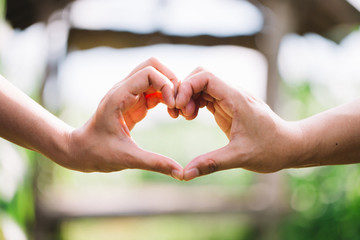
column 301, row 153
column 81, row 149
column 62, row 150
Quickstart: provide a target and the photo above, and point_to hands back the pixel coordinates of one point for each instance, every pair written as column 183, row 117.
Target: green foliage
column 2, row 9
column 333, row 211
column 203, row 227
column 299, row 101
column 2, row 237
column 21, row 207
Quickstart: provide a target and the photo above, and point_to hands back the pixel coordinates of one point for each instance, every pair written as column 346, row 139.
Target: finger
column 158, row 65
column 220, row 112
column 218, row 160
column 184, row 95
column 153, row 99
column 190, row 117
column 139, row 82
column 223, row 120
column 173, row 112
column 157, row 163
column 207, row 97
column 189, row 109
column 202, row 102
column 210, row 107
column 195, row 71
column 193, row 115
column 155, row 63
column 202, row 82
column 188, row 93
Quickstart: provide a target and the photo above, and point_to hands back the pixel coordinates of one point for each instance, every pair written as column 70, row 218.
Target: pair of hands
column 258, row 138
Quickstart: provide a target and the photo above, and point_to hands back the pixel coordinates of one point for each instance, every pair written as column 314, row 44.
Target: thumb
column 150, row 161
column 220, row 159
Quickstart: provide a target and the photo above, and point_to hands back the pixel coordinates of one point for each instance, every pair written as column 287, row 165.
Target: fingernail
column 177, row 175
column 172, row 103
column 187, row 111
column 191, row 174
column 178, row 100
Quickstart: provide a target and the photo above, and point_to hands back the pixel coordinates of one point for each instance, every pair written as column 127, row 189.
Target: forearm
column 26, row 123
column 331, row 137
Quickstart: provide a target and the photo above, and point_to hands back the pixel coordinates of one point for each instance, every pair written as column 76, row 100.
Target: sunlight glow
column 177, row 17
column 330, row 66
column 355, row 3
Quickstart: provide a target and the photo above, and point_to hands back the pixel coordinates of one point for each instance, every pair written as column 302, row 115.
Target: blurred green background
column 40, row 200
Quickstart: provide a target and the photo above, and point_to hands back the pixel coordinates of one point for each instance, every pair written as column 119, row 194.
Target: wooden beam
column 150, row 200
column 320, row 16
column 82, row 39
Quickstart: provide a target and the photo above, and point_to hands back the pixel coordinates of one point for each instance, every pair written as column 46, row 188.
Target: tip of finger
column 173, row 112
column 189, row 109
column 169, row 100
column 179, row 101
column 190, row 174
column 177, row 175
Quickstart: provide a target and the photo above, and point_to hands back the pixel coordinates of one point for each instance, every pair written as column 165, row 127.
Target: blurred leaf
column 299, row 101
column 21, row 207
column 2, row 9
column 1, row 235
column 334, row 214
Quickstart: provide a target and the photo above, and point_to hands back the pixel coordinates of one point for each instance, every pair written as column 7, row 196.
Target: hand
column 104, row 143
column 260, row 141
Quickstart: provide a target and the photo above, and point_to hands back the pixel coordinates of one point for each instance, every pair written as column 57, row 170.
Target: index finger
column 148, row 77
column 155, row 63
column 202, row 81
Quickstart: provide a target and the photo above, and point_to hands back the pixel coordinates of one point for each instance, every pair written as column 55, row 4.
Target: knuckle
column 208, row 75
column 210, row 166
column 158, row 166
column 153, row 61
column 205, row 74
column 200, row 69
column 126, row 100
column 149, row 69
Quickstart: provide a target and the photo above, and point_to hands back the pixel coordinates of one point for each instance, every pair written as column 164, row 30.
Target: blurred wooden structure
column 281, row 17
column 23, row 13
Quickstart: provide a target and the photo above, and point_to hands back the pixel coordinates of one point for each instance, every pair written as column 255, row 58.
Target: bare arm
column 26, row 123
column 331, row 137
column 261, row 141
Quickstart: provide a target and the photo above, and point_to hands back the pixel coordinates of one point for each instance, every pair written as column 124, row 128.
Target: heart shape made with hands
column 250, row 125
column 147, row 86
column 108, row 146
